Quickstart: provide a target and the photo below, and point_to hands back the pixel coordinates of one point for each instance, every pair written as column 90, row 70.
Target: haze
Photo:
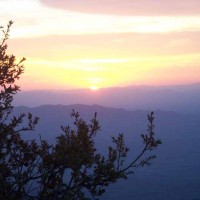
column 129, row 57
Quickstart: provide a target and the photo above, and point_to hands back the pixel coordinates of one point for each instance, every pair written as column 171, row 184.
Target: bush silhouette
column 71, row 169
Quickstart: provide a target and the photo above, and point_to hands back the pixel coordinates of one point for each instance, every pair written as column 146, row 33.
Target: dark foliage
column 71, row 169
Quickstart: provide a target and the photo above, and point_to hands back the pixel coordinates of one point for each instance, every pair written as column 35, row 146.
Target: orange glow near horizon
column 152, row 70
column 94, row 88
column 68, row 49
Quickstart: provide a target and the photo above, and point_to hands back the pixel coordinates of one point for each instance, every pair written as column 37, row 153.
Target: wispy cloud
column 86, row 24
column 129, row 7
column 77, row 43
column 34, row 19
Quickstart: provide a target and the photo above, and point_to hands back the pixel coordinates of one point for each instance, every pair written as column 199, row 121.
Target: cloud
column 128, row 7
column 106, row 46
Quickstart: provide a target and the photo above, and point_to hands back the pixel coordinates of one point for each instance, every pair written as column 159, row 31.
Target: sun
column 94, row 88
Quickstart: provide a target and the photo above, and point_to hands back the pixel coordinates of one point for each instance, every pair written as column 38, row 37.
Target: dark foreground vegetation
column 70, row 169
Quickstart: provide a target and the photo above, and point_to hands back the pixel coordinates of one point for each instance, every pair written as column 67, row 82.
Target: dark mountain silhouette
column 183, row 98
column 174, row 174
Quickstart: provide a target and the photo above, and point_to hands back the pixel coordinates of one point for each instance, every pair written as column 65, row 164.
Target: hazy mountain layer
column 182, row 99
column 174, row 174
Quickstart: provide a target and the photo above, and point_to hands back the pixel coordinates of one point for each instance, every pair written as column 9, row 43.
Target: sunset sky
column 104, row 43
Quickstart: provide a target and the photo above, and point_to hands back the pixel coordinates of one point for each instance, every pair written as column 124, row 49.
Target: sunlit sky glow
column 93, row 46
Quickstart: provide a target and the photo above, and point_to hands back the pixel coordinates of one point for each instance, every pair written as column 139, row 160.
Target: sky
column 104, row 43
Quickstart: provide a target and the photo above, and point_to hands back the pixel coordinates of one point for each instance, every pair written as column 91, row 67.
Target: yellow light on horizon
column 94, row 88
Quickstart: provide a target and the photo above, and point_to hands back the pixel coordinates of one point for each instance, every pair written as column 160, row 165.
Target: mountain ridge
column 173, row 174
column 179, row 99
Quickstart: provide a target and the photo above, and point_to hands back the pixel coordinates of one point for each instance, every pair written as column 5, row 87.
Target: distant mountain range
column 173, row 175
column 182, row 99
